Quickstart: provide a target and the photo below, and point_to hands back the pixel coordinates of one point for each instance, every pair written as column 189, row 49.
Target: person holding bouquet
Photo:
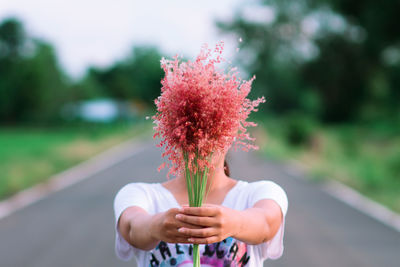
column 202, row 217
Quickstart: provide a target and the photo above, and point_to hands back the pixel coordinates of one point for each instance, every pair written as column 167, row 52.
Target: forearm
column 137, row 227
column 259, row 223
column 252, row 226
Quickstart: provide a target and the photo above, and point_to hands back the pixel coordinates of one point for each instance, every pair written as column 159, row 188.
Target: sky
column 99, row 32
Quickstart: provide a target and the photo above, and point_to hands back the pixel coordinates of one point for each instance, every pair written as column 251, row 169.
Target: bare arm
column 135, row 226
column 145, row 231
column 259, row 223
column 253, row 226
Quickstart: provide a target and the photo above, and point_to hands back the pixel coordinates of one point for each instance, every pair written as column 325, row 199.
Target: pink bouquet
column 201, row 110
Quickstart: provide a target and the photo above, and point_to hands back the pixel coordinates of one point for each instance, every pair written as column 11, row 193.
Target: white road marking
column 127, row 149
column 71, row 176
column 350, row 197
column 367, row 206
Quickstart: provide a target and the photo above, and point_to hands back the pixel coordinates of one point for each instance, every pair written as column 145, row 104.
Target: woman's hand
column 165, row 226
column 201, row 225
column 145, row 231
column 213, row 223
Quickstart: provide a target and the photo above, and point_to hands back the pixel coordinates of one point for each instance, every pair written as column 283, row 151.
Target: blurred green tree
column 339, row 75
column 333, row 59
column 89, row 87
column 136, row 78
column 32, row 85
column 381, row 50
column 268, row 51
column 12, row 41
column 42, row 87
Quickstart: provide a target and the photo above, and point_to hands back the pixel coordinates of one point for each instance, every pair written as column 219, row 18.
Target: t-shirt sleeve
column 272, row 249
column 133, row 194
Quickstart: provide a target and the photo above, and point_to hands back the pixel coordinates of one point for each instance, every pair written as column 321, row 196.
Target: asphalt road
column 75, row 227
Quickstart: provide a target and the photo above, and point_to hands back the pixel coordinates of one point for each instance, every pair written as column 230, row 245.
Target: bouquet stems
column 196, row 182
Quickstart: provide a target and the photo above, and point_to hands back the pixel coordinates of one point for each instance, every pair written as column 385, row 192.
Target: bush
column 299, row 129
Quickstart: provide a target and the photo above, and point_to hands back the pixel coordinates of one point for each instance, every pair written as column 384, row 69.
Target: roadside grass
column 365, row 157
column 30, row 155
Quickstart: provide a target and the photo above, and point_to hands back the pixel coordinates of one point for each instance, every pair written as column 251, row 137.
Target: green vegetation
column 330, row 71
column 363, row 156
column 31, row 155
column 35, row 140
column 33, row 87
column 336, row 61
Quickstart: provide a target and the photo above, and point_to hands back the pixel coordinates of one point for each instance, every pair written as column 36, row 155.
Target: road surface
column 75, row 226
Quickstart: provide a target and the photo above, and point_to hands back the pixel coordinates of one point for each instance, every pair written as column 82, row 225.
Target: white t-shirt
column 155, row 198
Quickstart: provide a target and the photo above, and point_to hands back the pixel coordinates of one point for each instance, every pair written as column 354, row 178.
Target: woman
column 240, row 224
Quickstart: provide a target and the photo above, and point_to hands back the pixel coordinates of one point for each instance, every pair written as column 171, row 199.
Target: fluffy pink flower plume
column 202, row 109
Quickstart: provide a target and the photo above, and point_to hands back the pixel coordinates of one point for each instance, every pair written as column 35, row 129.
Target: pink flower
column 202, row 109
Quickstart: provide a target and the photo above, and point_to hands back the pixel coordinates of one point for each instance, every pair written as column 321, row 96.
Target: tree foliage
column 138, row 77
column 338, row 60
column 31, row 83
column 33, row 87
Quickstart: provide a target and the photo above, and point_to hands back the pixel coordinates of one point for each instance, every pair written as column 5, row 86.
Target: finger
column 196, row 220
column 178, row 239
column 204, row 232
column 209, row 211
column 209, row 205
column 176, row 232
column 174, row 210
column 181, row 224
column 207, row 240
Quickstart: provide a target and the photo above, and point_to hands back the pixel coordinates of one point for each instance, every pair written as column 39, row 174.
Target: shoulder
column 139, row 185
column 265, row 185
column 135, row 193
column 137, row 188
column 258, row 185
column 264, row 189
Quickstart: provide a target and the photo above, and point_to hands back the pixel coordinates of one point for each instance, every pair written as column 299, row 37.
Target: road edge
column 73, row 175
column 350, row 196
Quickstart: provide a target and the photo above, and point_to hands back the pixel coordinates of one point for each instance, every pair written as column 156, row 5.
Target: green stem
column 188, row 177
column 203, row 185
column 196, row 256
column 196, row 182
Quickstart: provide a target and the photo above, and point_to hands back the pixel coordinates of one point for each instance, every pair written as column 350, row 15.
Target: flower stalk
column 196, row 183
column 201, row 110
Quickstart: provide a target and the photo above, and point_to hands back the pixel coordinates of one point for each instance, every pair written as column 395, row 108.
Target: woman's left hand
column 217, row 223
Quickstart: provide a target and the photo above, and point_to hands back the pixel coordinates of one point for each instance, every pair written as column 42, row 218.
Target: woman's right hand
column 145, row 231
column 164, row 226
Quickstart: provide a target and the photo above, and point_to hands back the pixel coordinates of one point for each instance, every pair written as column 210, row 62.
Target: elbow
column 139, row 241
column 272, row 227
column 264, row 230
column 258, row 240
column 266, row 236
column 267, row 233
column 270, row 219
column 262, row 236
column 145, row 247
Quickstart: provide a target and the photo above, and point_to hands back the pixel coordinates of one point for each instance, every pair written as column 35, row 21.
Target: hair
column 226, row 168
